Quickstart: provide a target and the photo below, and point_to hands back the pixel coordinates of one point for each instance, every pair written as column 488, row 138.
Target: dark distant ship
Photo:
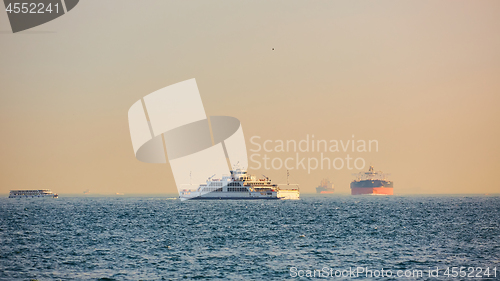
column 325, row 187
column 371, row 182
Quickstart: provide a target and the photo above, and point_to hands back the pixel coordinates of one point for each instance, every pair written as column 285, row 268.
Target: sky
column 420, row 77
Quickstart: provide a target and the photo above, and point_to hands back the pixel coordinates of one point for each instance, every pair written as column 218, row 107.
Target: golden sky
column 421, row 77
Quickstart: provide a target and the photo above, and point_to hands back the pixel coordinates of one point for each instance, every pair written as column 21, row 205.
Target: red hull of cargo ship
column 372, row 190
column 326, row 192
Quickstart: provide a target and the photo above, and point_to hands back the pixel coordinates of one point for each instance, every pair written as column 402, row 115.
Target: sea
column 314, row 238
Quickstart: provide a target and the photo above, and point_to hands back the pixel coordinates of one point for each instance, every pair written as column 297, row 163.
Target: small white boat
column 32, row 193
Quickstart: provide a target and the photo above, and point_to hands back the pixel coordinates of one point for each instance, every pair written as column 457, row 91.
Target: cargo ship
column 371, row 182
column 325, row 187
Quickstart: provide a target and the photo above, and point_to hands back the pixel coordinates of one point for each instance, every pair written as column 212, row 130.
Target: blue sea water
column 124, row 238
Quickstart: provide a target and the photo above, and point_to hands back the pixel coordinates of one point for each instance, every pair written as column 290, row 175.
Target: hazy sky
column 421, row 77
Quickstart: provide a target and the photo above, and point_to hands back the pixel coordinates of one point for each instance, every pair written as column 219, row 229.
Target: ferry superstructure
column 371, row 182
column 240, row 185
column 32, row 193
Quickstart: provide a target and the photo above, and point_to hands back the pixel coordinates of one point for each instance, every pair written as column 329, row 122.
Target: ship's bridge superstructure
column 371, row 175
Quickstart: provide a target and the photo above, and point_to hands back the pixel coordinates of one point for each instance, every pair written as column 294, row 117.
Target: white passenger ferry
column 240, row 185
column 32, row 193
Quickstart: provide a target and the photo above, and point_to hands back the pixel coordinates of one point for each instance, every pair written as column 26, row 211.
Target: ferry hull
column 326, row 192
column 372, row 190
column 33, row 196
column 229, row 198
column 282, row 194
